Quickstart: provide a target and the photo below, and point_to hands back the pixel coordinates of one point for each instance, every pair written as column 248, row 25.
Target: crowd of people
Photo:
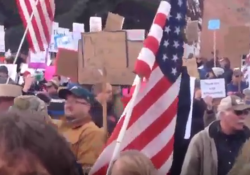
column 51, row 128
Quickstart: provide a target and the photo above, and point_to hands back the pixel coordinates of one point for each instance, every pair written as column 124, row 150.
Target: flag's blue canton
column 169, row 56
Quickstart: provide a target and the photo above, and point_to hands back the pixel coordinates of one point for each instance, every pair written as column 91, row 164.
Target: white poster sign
column 56, row 33
column 214, row 88
column 135, row 34
column 12, row 70
column 2, row 41
column 95, row 24
column 78, row 27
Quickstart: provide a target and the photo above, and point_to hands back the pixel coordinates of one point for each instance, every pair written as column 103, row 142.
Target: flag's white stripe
column 161, row 140
column 38, row 21
column 47, row 19
column 142, row 123
column 52, row 6
column 147, row 56
column 166, row 166
column 31, row 29
column 156, row 31
column 164, row 8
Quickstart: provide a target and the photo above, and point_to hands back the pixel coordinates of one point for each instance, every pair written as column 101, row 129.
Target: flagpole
column 23, row 38
column 121, row 135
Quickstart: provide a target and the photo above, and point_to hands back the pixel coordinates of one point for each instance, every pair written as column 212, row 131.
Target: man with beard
column 96, row 112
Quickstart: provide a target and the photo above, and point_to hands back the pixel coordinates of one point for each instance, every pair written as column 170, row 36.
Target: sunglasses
column 239, row 113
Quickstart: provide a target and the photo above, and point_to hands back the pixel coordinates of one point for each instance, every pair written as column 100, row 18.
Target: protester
column 30, row 146
column 237, row 84
column 51, row 88
column 228, row 72
column 133, row 162
column 33, row 105
column 214, row 150
column 85, row 138
column 7, row 94
column 96, row 112
column 4, row 72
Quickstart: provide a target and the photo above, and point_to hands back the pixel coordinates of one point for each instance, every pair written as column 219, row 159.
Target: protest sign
column 49, row 72
column 95, row 24
column 66, row 42
column 78, row 27
column 67, row 63
column 114, row 22
column 192, row 31
column 214, row 24
column 135, row 34
column 191, row 67
column 237, row 40
column 2, row 41
column 214, row 88
column 57, row 32
column 134, row 48
column 38, row 60
column 105, row 49
column 11, row 70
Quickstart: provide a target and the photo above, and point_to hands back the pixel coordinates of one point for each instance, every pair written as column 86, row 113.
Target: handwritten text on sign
column 107, row 49
column 213, row 87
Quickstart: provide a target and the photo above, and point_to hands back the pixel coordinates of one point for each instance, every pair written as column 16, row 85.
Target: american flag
column 153, row 120
column 39, row 32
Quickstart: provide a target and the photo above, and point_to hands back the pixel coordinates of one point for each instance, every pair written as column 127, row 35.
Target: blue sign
column 214, row 24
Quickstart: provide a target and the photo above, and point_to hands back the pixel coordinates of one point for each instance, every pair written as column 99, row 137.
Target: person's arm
column 209, row 117
column 192, row 161
column 209, row 114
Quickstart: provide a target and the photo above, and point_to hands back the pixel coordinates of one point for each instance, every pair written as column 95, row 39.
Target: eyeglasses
column 76, row 102
column 239, row 113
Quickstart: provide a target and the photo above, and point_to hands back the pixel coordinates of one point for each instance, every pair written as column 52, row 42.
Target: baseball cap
column 77, row 91
column 52, row 83
column 232, row 102
column 4, row 69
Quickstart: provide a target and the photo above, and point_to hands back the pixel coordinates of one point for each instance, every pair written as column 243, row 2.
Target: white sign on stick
column 56, row 33
column 12, row 70
column 135, row 34
column 214, row 88
column 2, row 41
column 78, row 27
column 95, row 24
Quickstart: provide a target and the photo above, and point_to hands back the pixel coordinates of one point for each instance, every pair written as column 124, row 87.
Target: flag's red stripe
column 156, row 127
column 35, row 26
column 160, row 19
column 162, row 156
column 142, row 69
column 49, row 10
column 25, row 24
column 149, row 99
column 43, row 21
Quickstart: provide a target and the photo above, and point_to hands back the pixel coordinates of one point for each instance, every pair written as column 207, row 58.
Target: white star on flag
column 174, row 71
column 167, row 29
column 175, row 58
column 177, row 30
column 178, row 16
column 176, row 44
column 166, row 43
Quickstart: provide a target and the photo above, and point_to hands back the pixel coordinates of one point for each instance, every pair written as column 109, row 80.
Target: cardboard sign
column 67, row 63
column 105, row 49
column 119, row 65
column 237, row 40
column 214, row 24
column 213, row 87
column 134, row 48
column 114, row 22
column 192, row 31
column 191, row 67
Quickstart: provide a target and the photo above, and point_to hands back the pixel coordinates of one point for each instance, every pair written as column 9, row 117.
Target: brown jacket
column 201, row 157
column 86, row 141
